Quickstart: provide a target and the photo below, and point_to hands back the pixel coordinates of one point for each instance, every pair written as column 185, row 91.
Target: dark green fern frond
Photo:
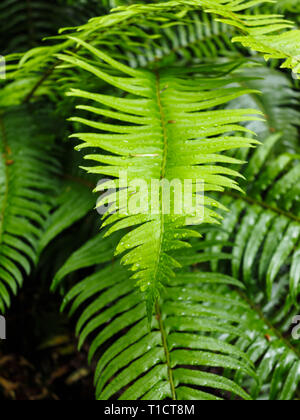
column 267, row 34
column 173, row 359
column 271, row 347
column 71, row 205
column 27, row 181
column 26, row 22
column 122, row 30
column 265, row 223
column 276, row 358
column 172, row 133
column 201, row 38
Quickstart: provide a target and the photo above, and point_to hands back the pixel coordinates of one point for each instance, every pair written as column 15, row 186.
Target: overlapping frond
column 171, row 133
column 265, row 224
column 268, row 323
column 133, row 27
column 71, row 205
column 267, row 34
column 275, row 356
column 172, row 360
column 278, row 101
column 27, row 180
column 200, row 38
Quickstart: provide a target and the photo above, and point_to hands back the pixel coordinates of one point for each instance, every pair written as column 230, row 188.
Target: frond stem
column 163, row 124
column 166, row 349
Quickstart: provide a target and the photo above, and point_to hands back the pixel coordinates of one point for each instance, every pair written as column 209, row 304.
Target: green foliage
column 163, row 90
column 27, row 173
column 187, row 306
column 27, row 22
column 264, row 223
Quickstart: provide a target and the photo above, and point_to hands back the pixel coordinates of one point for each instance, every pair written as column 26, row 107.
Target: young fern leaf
column 185, row 336
column 171, row 133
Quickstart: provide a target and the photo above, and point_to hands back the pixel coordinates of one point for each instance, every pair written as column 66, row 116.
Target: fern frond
column 123, row 29
column 263, row 33
column 276, row 358
column 171, row 133
column 28, row 171
column 278, row 105
column 169, row 360
column 267, row 323
column 265, row 224
column 71, row 205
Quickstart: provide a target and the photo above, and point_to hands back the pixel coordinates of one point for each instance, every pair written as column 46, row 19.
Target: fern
column 123, row 29
column 202, row 38
column 273, row 210
column 265, row 223
column 169, row 120
column 278, row 105
column 27, row 174
column 27, row 22
column 176, row 337
column 157, row 91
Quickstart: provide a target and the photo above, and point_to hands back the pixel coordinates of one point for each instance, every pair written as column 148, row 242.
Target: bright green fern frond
column 172, row 133
column 173, row 359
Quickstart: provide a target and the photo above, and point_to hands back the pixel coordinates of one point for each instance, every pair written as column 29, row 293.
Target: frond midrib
column 166, row 349
column 263, row 205
column 163, row 167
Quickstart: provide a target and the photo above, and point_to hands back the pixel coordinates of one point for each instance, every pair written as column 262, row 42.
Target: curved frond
column 279, row 106
column 265, row 224
column 275, row 356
